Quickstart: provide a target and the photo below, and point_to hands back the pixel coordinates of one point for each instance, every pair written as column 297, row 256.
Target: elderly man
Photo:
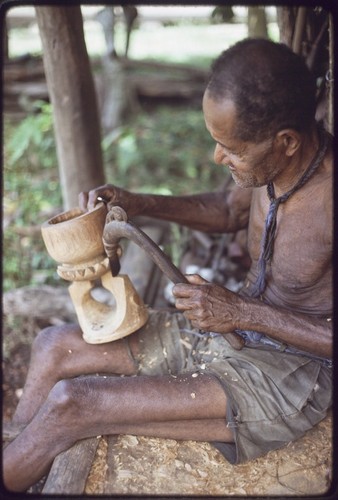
column 259, row 107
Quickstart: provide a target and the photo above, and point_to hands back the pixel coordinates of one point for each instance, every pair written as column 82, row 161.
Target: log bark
column 71, row 480
column 72, row 94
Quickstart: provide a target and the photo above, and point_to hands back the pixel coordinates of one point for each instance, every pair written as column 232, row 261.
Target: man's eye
column 239, row 154
column 231, row 152
column 228, row 151
column 235, row 153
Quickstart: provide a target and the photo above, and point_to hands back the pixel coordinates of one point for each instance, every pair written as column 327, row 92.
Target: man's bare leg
column 182, row 407
column 59, row 353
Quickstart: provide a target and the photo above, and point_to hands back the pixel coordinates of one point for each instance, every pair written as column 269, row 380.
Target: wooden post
column 5, row 42
column 257, row 25
column 300, row 26
column 72, row 93
column 330, row 77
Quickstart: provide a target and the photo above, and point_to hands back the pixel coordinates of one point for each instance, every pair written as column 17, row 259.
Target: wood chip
column 167, row 467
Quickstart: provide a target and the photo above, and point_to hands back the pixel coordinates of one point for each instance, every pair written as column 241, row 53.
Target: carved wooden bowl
column 75, row 237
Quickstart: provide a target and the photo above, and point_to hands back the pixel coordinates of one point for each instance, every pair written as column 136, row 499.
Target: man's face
column 251, row 164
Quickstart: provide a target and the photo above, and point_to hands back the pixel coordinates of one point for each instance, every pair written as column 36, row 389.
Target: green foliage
column 31, row 191
column 168, row 151
column 33, row 140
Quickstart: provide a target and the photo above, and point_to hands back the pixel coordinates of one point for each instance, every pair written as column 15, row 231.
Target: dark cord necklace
column 268, row 238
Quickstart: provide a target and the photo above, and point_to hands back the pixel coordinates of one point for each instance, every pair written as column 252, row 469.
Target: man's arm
column 209, row 212
column 211, row 307
column 302, row 331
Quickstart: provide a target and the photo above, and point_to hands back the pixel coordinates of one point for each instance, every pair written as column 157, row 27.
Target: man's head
column 259, row 101
column 271, row 87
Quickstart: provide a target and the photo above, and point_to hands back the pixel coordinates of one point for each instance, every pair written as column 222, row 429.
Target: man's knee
column 63, row 400
column 61, row 395
column 47, row 341
column 49, row 345
column 59, row 415
column 67, row 400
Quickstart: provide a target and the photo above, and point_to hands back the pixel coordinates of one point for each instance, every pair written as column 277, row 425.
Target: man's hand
column 112, row 195
column 208, row 306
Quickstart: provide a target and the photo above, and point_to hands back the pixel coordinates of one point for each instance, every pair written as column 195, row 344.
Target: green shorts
column 273, row 397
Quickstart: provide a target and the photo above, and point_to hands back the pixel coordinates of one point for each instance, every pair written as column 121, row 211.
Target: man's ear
column 289, row 140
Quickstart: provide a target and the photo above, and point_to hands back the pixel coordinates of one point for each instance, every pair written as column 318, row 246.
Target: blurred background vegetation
column 163, row 148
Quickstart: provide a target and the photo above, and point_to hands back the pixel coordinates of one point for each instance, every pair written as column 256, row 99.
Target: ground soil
column 17, row 338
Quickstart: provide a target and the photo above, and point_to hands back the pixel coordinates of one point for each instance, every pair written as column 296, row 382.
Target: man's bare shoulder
column 239, row 203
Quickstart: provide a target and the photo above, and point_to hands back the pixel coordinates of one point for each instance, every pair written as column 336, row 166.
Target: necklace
column 269, row 232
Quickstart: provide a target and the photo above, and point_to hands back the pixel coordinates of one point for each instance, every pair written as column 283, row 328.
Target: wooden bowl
column 74, row 237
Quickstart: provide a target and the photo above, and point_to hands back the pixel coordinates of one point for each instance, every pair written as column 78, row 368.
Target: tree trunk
column 257, row 24
column 72, row 94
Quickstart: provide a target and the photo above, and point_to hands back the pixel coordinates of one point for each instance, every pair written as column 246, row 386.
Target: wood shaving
column 152, row 466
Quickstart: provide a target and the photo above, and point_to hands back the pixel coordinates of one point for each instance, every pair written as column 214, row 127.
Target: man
column 259, row 106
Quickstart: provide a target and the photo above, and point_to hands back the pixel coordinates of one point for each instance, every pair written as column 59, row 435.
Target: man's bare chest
column 302, row 247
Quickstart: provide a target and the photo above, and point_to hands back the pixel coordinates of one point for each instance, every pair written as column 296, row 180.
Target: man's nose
column 220, row 156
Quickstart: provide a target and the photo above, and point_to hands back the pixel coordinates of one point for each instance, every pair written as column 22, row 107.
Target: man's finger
column 184, row 305
column 196, row 279
column 182, row 290
column 83, row 201
column 93, row 198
